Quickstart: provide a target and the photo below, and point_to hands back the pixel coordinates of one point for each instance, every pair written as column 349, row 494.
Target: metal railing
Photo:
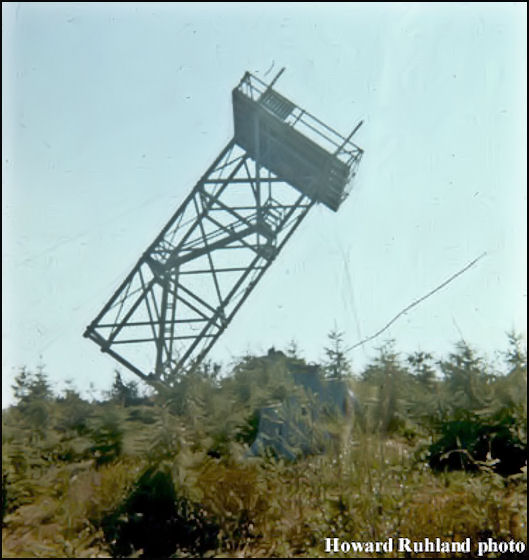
column 307, row 124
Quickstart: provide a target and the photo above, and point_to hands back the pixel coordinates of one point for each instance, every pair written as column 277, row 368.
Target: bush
column 470, row 442
column 155, row 522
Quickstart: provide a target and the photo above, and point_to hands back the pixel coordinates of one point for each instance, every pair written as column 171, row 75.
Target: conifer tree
column 337, row 365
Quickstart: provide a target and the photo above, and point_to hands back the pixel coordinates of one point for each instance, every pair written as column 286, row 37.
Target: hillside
column 432, row 448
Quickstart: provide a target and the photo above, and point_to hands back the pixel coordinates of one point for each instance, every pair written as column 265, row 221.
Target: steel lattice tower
column 187, row 286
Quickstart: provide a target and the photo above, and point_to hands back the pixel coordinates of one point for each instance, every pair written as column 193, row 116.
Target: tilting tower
column 187, row 286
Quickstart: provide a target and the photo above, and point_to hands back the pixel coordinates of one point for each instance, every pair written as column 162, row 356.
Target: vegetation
column 434, row 448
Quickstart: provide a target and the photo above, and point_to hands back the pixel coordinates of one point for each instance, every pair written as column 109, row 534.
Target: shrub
column 469, row 442
column 155, row 522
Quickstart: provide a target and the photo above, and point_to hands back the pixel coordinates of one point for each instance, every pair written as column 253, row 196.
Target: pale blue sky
column 112, row 112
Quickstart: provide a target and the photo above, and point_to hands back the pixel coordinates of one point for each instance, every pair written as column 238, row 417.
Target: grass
column 370, row 491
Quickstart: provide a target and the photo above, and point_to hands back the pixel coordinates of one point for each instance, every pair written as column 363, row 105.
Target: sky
column 111, row 113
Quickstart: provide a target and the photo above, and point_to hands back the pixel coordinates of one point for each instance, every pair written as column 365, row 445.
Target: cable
column 416, row 302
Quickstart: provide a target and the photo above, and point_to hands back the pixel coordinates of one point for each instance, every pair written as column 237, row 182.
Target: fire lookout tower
column 187, row 286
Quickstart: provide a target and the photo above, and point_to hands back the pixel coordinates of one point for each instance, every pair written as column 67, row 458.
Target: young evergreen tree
column 29, row 386
column 292, row 350
column 126, row 394
column 516, row 354
column 393, row 387
column 337, row 365
column 422, row 368
column 385, row 364
column 467, row 378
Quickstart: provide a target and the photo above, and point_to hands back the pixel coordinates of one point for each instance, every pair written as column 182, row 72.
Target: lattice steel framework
column 187, row 286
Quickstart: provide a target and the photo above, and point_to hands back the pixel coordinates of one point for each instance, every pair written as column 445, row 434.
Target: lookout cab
column 305, row 152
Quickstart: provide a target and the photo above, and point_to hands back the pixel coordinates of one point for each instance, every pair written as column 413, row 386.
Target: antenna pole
column 349, row 137
column 278, row 75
